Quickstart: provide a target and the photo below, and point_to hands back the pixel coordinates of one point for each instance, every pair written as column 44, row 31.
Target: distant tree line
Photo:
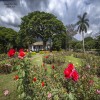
column 47, row 26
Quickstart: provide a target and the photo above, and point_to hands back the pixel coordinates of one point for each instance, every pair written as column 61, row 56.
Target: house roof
column 40, row 43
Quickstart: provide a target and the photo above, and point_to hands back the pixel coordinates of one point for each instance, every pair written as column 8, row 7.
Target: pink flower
column 88, row 66
column 91, row 82
column 98, row 91
column 6, row 92
column 49, row 95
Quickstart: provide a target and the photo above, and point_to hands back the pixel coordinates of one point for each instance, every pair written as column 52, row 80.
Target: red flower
column 16, row 77
column 43, row 84
column 53, row 66
column 70, row 66
column 34, row 79
column 75, row 75
column 11, row 52
column 21, row 55
column 70, row 72
column 21, row 50
column 46, row 56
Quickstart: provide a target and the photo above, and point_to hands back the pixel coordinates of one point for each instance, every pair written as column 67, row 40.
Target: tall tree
column 41, row 24
column 7, row 38
column 82, row 26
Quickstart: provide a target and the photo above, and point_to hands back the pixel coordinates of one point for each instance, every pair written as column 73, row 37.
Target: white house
column 37, row 46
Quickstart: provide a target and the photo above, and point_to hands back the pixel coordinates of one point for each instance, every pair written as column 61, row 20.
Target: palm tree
column 82, row 26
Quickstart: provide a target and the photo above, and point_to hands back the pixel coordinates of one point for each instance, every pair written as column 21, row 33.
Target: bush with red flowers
column 54, row 82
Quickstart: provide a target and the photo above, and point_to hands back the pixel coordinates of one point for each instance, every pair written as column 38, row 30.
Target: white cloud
column 65, row 10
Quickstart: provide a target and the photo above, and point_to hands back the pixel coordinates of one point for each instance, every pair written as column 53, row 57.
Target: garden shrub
column 5, row 68
column 56, row 58
column 30, row 54
column 3, row 56
column 41, row 52
column 52, row 82
column 8, row 65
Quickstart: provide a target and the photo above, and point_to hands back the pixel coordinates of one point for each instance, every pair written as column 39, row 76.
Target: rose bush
column 64, row 82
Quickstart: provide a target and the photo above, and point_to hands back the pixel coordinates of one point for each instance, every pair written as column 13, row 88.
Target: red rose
column 53, row 66
column 70, row 72
column 11, row 52
column 34, row 79
column 21, row 55
column 67, row 73
column 16, row 77
column 70, row 66
column 43, row 84
column 75, row 75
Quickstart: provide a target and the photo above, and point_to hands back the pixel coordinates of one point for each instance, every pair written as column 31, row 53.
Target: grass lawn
column 76, row 61
column 7, row 81
column 37, row 59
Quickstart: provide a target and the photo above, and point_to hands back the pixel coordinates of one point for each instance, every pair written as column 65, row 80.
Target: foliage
column 39, row 86
column 48, row 81
column 8, row 65
column 30, row 54
column 97, row 45
column 89, row 43
column 54, row 59
column 40, row 24
column 7, row 39
column 57, row 42
column 3, row 56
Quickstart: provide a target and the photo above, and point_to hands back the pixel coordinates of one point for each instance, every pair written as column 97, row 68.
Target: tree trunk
column 44, row 45
column 83, row 42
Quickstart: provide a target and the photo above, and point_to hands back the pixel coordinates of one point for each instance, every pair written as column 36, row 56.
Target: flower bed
column 50, row 82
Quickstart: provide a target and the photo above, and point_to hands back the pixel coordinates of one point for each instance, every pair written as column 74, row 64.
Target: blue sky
column 65, row 10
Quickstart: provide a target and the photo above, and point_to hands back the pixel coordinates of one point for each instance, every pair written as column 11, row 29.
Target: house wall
column 38, row 48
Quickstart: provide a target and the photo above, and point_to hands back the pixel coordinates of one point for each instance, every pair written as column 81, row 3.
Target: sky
column 11, row 12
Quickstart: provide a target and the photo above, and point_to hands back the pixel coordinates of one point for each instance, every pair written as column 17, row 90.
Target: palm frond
column 86, row 24
column 78, row 23
column 79, row 17
column 84, row 15
column 86, row 20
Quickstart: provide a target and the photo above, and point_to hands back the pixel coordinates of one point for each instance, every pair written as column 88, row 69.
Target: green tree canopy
column 7, row 38
column 89, row 43
column 41, row 24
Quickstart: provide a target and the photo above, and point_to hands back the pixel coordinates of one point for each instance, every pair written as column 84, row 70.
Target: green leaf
column 71, row 96
column 23, row 73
